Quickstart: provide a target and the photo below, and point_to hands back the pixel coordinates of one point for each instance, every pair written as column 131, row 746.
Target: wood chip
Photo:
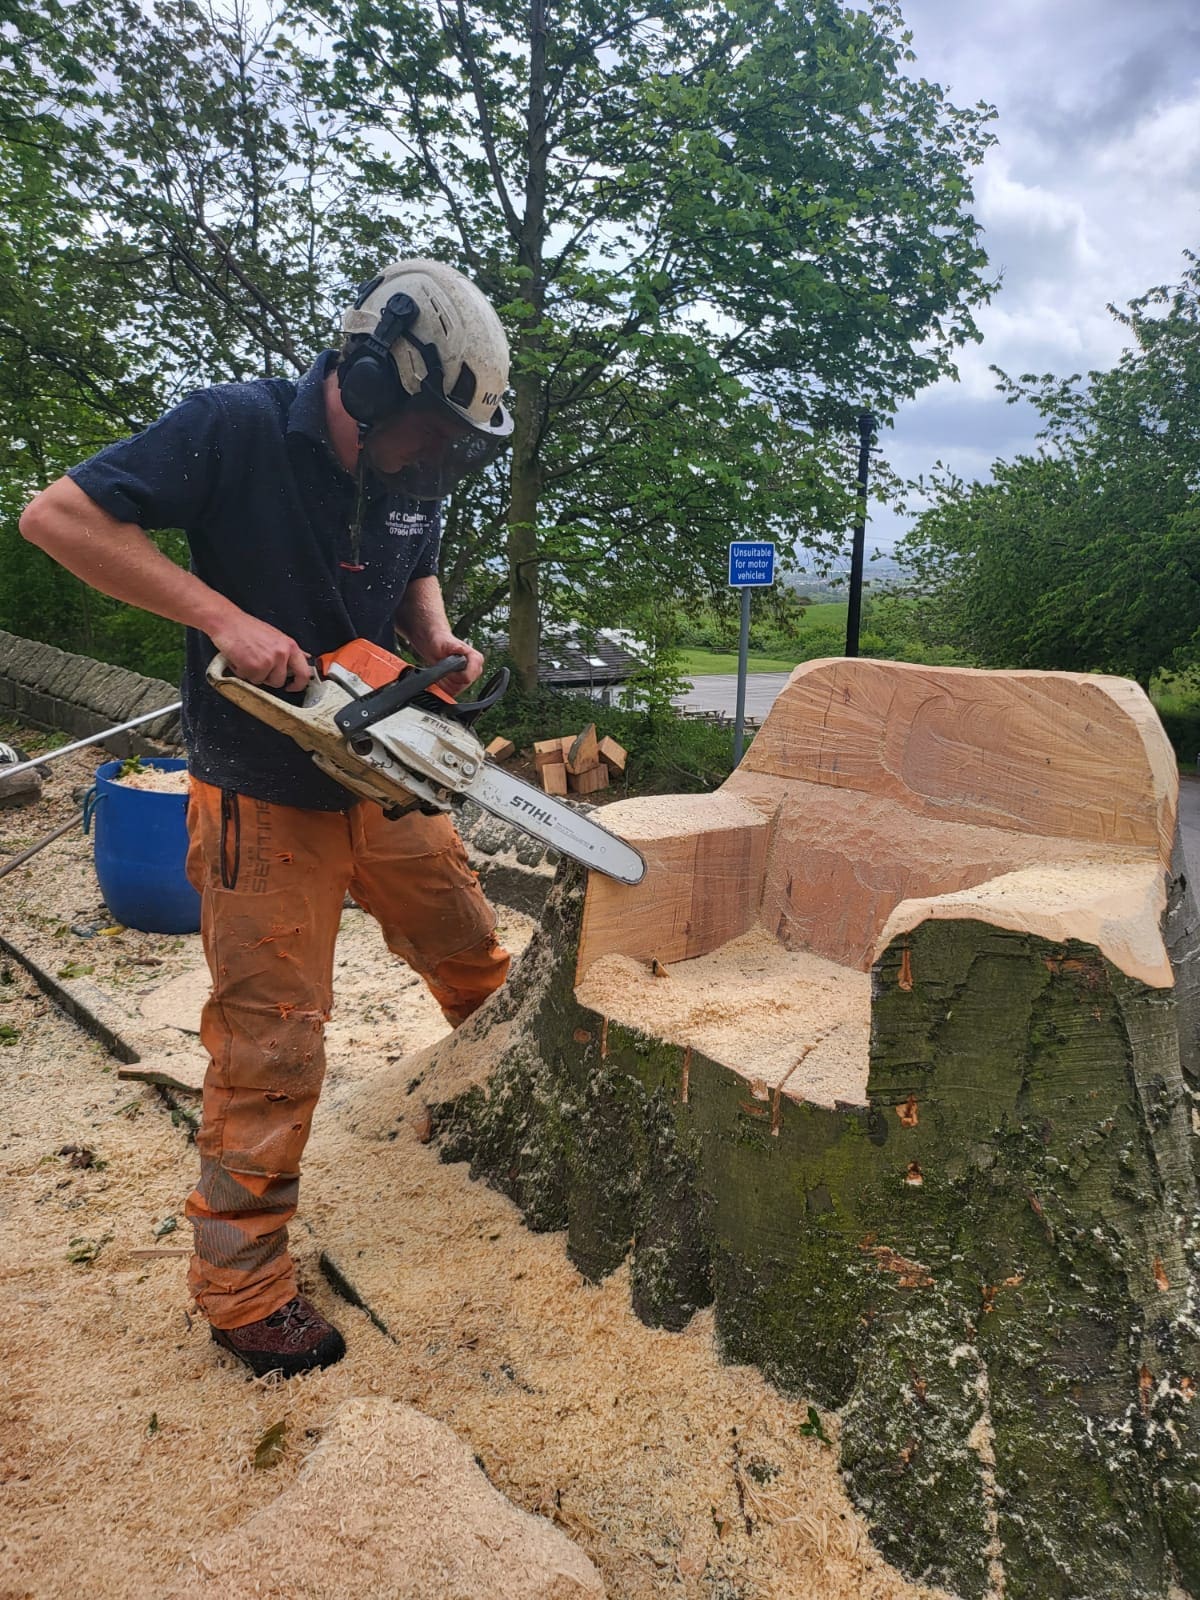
column 613, row 755
column 554, row 777
column 547, row 752
column 589, row 782
column 584, row 754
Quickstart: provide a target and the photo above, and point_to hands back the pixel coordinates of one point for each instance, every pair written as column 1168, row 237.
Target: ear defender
column 367, row 376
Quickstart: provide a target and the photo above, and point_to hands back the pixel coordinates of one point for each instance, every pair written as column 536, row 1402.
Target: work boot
column 293, row 1339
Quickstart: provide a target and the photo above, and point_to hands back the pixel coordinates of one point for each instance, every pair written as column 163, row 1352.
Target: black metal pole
column 866, row 430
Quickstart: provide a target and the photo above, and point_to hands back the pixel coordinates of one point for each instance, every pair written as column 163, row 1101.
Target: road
column 718, row 692
column 1189, row 823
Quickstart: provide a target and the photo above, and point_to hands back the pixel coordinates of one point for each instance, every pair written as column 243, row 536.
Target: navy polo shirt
column 248, row 472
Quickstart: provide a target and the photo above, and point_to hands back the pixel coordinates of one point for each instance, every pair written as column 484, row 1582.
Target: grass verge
column 702, row 663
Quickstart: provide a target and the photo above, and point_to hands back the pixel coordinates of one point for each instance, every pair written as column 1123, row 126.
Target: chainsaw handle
column 362, row 714
column 493, row 690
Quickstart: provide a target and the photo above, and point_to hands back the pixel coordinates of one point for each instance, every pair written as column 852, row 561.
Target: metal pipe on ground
column 49, row 838
column 92, row 738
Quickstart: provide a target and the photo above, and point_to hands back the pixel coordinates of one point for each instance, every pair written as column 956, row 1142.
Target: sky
column 1090, row 197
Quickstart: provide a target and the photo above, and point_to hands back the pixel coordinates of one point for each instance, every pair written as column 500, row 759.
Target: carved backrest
column 886, row 781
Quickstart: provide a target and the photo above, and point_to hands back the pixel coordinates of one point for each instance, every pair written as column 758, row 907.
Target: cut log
column 583, row 754
column 547, row 752
column 554, row 777
column 589, row 781
column 613, row 754
column 501, row 749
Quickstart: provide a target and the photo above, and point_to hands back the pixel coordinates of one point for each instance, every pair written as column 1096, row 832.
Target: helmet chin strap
column 362, row 467
column 355, row 563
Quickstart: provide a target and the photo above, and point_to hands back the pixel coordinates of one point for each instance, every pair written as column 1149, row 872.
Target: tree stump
column 985, row 1256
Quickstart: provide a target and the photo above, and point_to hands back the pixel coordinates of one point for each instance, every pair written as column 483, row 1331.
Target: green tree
column 229, row 191
column 175, row 214
column 1084, row 556
column 69, row 379
column 715, row 232
column 705, row 220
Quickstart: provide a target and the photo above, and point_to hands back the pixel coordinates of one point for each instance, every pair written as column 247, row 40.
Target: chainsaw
column 385, row 730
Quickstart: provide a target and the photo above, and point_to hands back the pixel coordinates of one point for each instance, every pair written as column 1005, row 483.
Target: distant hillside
column 832, row 584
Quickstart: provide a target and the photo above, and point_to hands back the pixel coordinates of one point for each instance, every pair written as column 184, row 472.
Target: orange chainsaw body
column 374, row 665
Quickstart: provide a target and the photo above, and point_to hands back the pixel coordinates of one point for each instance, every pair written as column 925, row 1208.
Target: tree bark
column 523, row 613
column 989, row 1266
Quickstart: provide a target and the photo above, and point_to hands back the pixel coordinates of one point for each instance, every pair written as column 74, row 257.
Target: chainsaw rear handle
column 493, row 690
column 413, row 686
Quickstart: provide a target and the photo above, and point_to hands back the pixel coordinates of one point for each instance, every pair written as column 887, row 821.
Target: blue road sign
column 751, row 564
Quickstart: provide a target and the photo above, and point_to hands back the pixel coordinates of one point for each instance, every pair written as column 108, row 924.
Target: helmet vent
column 464, row 388
column 439, row 313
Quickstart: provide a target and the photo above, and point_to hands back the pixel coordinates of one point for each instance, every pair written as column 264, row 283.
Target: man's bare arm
column 118, row 559
column 421, row 618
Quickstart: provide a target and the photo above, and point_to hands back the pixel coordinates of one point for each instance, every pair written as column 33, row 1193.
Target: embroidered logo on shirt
column 407, row 524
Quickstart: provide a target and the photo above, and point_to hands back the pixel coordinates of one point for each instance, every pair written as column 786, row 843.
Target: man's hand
column 421, row 618
column 261, row 654
column 438, row 648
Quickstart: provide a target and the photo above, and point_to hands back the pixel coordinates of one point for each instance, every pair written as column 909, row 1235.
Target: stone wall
column 50, row 688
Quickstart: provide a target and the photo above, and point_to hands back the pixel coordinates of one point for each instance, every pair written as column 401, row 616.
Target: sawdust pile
column 133, row 1444
column 155, row 780
column 674, row 1472
column 782, row 1017
column 393, row 1503
column 130, row 1439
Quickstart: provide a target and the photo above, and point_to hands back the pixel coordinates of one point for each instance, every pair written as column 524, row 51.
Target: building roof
column 575, row 657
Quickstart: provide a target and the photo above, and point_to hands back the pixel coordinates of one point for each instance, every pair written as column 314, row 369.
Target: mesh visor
column 447, row 451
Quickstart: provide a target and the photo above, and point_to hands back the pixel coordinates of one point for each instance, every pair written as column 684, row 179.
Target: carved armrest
column 705, row 859
column 1118, row 906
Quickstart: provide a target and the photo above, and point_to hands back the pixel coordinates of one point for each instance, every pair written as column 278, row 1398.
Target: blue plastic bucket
column 141, row 851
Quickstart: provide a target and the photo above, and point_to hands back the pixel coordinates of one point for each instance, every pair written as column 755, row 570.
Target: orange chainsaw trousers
column 272, row 881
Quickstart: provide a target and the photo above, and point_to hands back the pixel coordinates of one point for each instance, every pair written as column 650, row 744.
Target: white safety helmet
column 421, row 329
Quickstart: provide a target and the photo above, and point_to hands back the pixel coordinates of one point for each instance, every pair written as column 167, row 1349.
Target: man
column 312, row 516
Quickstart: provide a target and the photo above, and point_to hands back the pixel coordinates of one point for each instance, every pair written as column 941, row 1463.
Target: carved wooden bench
column 891, row 1056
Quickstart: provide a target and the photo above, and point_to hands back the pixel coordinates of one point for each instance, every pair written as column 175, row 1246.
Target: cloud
column 1161, row 150
column 1043, row 229
column 1090, row 197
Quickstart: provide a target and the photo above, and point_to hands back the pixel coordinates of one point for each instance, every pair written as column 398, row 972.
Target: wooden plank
column 613, row 755
column 546, row 751
column 182, row 1071
column 583, row 754
column 554, row 777
column 589, row 782
column 501, row 749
